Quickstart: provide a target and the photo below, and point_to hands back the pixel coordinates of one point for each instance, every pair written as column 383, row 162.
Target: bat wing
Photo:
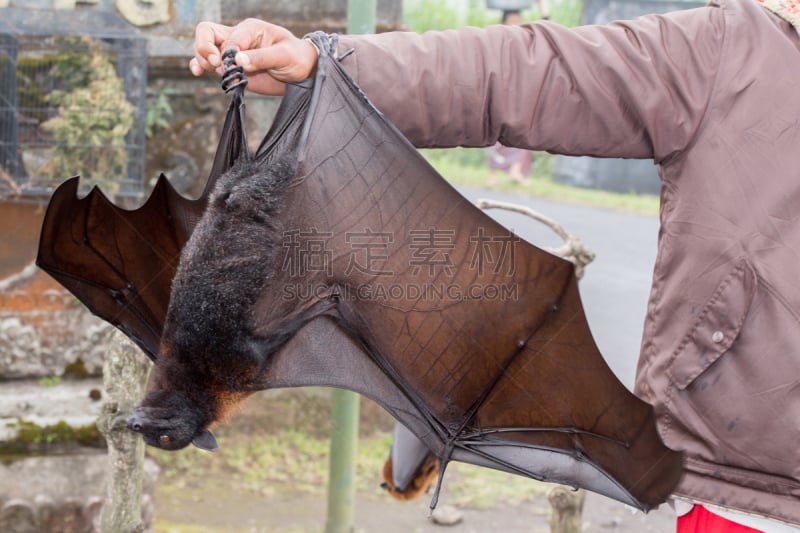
column 120, row 263
column 510, row 380
column 408, row 454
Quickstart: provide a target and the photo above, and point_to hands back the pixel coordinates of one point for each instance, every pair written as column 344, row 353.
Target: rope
column 573, row 249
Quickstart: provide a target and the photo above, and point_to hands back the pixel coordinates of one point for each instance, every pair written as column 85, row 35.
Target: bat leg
column 442, row 467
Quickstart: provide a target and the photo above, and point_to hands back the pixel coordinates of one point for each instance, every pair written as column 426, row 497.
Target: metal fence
column 72, row 101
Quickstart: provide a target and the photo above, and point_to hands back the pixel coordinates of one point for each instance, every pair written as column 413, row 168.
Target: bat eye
column 163, row 439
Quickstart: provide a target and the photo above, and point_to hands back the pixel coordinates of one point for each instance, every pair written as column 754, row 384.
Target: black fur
column 207, row 345
column 228, row 260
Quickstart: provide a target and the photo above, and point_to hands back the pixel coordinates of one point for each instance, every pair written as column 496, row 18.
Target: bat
column 335, row 255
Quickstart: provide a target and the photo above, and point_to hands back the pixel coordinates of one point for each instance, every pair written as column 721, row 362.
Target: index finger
column 249, row 34
column 208, row 36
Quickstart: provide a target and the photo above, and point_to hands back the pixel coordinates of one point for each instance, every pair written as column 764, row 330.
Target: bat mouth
column 138, row 422
column 156, row 432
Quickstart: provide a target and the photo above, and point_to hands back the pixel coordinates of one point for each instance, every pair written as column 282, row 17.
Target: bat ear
column 206, row 441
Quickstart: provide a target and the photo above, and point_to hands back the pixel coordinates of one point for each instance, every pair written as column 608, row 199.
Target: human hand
column 270, row 55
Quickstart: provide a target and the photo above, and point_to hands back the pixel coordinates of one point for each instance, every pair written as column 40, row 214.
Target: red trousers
column 701, row 520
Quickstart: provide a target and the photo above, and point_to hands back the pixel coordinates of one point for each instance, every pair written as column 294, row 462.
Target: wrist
column 313, row 45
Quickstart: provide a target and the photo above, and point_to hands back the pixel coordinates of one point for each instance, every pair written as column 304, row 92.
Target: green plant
column 567, row 12
column 158, row 109
column 542, row 185
column 49, row 381
column 424, row 15
column 30, row 433
column 484, row 488
column 466, row 157
column 92, row 120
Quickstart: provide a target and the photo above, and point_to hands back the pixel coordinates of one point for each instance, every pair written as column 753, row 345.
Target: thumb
column 288, row 61
column 268, row 59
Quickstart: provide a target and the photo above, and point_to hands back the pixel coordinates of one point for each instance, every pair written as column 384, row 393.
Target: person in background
column 514, row 161
column 544, row 13
column 711, row 95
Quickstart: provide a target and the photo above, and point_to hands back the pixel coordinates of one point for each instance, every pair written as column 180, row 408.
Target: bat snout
column 135, row 422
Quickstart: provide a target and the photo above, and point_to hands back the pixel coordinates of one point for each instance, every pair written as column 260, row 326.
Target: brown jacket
column 713, row 96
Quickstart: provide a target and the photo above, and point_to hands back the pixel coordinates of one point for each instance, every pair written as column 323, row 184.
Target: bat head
column 168, row 420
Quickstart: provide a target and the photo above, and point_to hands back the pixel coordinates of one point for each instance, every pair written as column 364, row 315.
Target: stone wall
column 309, row 15
column 60, row 493
column 51, row 354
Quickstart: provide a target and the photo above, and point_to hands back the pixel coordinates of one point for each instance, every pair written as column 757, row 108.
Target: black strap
column 234, row 82
column 233, row 78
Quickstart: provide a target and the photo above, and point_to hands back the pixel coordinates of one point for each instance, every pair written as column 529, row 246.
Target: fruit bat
column 335, row 255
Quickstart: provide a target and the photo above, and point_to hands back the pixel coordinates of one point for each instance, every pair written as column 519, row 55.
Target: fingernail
column 242, row 59
column 214, row 60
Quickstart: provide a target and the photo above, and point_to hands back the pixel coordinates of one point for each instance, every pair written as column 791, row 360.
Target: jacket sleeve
column 635, row 89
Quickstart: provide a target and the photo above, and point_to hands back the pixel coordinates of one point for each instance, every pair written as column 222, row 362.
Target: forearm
column 606, row 91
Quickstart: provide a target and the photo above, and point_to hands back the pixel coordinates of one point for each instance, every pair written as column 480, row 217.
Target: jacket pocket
column 716, row 327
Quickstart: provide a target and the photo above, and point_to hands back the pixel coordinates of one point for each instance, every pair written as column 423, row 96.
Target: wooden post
column 125, row 374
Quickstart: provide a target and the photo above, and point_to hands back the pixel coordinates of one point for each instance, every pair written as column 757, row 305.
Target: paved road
column 616, row 285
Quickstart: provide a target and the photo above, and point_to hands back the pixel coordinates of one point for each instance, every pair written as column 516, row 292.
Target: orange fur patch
column 423, row 479
column 228, row 403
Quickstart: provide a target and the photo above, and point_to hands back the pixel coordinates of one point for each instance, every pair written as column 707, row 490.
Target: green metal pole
column 344, row 404
column 360, row 16
column 344, row 445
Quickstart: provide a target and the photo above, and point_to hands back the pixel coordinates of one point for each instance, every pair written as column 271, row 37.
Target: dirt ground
column 193, row 501
column 216, row 510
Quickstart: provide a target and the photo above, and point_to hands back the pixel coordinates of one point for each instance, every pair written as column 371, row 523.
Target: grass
column 294, row 460
column 465, row 170
column 483, row 488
